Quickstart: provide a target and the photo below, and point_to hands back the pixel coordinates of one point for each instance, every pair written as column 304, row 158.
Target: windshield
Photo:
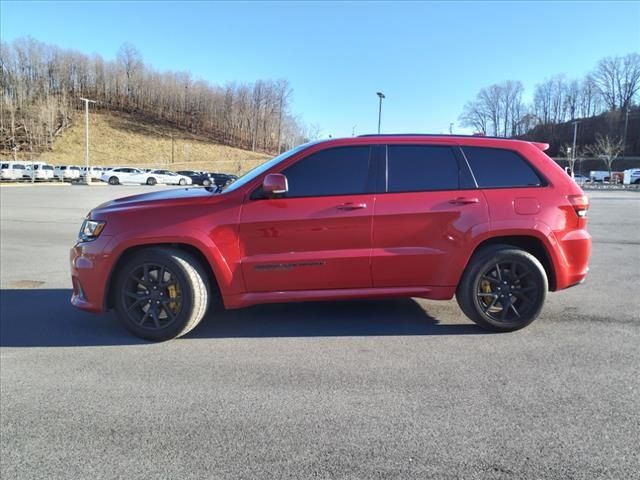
column 260, row 169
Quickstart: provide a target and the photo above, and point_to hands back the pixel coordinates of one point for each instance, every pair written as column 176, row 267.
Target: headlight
column 90, row 230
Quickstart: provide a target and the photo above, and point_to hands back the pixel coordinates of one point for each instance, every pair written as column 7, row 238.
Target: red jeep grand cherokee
column 495, row 222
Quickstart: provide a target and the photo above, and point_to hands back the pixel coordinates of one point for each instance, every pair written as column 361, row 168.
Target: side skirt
column 257, row 298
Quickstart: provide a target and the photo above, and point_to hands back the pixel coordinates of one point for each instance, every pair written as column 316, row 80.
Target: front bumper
column 90, row 270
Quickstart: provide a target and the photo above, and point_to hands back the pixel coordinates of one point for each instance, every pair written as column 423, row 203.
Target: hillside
column 121, row 139
column 609, row 124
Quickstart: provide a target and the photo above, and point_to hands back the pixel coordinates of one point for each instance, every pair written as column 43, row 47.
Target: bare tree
column 618, row 80
column 40, row 85
column 606, row 149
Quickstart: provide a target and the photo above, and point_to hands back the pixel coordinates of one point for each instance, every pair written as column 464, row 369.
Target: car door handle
column 464, row 200
column 351, row 206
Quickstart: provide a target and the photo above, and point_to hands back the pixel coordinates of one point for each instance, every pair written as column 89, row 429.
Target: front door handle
column 351, row 206
column 464, row 200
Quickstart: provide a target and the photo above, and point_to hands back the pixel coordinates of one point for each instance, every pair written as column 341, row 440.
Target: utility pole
column 172, row 148
column 381, row 96
column 573, row 150
column 451, row 129
column 624, row 136
column 353, row 130
column 86, row 136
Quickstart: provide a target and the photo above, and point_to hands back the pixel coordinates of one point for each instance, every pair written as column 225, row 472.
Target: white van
column 94, row 172
column 631, row 176
column 12, row 171
column 39, row 171
column 66, row 173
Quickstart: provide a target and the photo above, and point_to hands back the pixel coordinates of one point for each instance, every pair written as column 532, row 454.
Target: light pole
column 573, row 150
column 86, row 136
column 624, row 136
column 381, row 96
column 451, row 129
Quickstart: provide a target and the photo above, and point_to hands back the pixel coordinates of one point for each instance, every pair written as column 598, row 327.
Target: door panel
column 306, row 243
column 420, row 238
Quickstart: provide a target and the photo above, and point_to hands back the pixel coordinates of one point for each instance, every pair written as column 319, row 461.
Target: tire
column 206, row 182
column 521, row 280
column 151, row 181
column 182, row 182
column 114, row 180
column 184, row 280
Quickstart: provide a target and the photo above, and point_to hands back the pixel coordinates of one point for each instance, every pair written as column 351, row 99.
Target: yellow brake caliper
column 173, row 293
column 485, row 286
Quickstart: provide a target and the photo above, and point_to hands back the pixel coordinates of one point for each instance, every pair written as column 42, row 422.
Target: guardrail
column 613, row 186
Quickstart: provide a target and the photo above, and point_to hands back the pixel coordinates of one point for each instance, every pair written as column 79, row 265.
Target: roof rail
column 432, row 135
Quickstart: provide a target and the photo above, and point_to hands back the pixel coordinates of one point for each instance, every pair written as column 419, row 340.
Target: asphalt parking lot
column 384, row 389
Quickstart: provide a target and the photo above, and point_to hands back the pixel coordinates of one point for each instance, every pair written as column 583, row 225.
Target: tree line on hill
column 605, row 100
column 42, row 85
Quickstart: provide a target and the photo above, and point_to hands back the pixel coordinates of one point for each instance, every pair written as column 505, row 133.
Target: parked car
column 495, row 222
column 580, row 179
column 66, row 173
column 39, row 171
column 12, row 171
column 197, row 178
column 120, row 175
column 160, row 176
column 222, row 179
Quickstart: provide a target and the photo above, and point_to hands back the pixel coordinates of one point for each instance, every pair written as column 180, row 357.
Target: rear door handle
column 351, row 206
column 464, row 200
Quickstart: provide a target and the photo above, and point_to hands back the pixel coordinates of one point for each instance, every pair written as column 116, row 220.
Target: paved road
column 390, row 389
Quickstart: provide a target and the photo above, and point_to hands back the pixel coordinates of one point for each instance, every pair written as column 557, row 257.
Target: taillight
column 580, row 204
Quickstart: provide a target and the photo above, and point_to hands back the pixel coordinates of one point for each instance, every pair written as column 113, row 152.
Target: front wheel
column 503, row 288
column 161, row 293
column 206, row 182
column 182, row 181
column 114, row 181
column 151, row 181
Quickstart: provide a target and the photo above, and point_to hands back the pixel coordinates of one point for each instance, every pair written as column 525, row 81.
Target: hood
column 160, row 198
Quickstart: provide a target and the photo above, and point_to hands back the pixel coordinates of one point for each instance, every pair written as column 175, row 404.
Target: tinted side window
column 414, row 168
column 336, row 171
column 495, row 167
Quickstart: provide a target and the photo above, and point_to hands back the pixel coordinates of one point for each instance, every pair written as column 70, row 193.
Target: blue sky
column 428, row 58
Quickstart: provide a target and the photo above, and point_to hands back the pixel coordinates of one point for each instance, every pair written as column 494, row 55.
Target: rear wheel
column 161, row 293
column 182, row 181
column 503, row 288
column 206, row 182
column 151, row 181
column 114, row 180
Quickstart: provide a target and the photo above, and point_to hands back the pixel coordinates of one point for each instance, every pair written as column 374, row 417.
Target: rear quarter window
column 497, row 167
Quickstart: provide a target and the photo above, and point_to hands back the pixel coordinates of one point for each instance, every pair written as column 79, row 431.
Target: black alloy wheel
column 161, row 293
column 507, row 291
column 503, row 288
column 152, row 296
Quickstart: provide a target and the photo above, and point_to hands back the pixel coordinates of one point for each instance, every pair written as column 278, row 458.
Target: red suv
column 494, row 222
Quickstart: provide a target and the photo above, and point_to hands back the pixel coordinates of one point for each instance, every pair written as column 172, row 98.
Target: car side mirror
column 274, row 184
